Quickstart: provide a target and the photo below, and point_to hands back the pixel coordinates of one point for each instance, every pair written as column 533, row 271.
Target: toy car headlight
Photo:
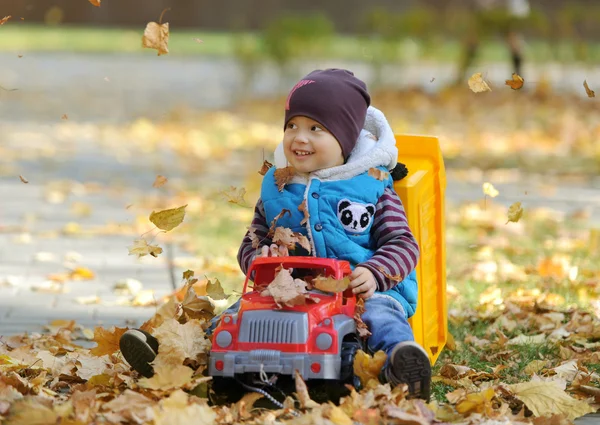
column 223, row 339
column 324, row 341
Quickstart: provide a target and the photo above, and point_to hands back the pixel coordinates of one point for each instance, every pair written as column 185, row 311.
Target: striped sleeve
column 247, row 253
column 397, row 251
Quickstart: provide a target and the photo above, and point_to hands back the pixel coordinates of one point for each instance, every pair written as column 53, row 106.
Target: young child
column 332, row 138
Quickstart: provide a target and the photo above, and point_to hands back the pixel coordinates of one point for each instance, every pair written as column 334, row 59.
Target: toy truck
column 319, row 339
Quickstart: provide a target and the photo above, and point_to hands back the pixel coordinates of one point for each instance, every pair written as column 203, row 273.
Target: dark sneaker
column 409, row 364
column 139, row 349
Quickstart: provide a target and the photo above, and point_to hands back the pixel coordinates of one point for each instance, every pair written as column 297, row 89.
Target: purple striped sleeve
column 397, row 251
column 246, row 252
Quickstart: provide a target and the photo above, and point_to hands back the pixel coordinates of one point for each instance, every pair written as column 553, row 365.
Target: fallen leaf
column 588, row 91
column 515, row 212
column 159, row 181
column 516, row 82
column 3, row 20
column 367, row 367
column 405, row 417
column 479, row 402
column 490, row 190
column 156, row 36
column 302, row 392
column 283, row 176
column 235, row 196
column 168, row 377
column 82, row 273
column 179, row 342
column 477, row 84
column 265, row 167
column 168, row 219
column 141, row 248
column 178, row 409
column 378, row 174
column 23, row 179
column 329, row 284
column 286, row 290
column 129, row 406
column 304, row 209
column 215, row 291
column 107, row 340
column 545, row 398
column 30, row 410
column 96, row 2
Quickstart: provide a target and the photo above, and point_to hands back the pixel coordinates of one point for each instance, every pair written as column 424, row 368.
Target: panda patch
column 355, row 217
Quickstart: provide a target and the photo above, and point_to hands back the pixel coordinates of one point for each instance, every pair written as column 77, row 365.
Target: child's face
column 308, row 146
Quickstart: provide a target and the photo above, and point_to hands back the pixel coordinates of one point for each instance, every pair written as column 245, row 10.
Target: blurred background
column 89, row 118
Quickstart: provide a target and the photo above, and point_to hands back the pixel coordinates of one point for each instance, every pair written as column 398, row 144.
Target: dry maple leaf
column 168, row 377
column 215, row 290
column 156, row 36
column 286, row 238
column 302, row 392
column 283, row 176
column 265, row 167
column 477, row 84
column 378, row 174
column 3, row 20
column 107, row 340
column 235, row 196
column 515, row 212
column 129, row 406
column 490, row 190
column 95, row 2
column 286, row 290
column 141, row 248
column 588, row 91
column 159, row 181
column 253, row 237
column 168, row 219
column 23, row 179
column 330, row 284
column 516, row 82
column 180, row 409
column 303, row 208
column 195, row 306
column 179, row 342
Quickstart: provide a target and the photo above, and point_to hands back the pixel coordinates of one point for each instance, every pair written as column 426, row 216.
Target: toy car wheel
column 350, row 347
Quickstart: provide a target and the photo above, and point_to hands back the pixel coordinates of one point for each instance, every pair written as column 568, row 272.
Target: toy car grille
column 274, row 327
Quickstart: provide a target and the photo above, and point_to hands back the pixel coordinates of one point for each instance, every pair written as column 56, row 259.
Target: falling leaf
column 253, row 238
column 276, row 219
column 589, row 92
column 215, row 291
column 394, row 277
column 515, row 212
column 367, row 368
column 329, row 284
column 432, row 79
column 107, row 340
column 156, row 36
column 3, row 20
column 168, row 219
column 283, row 176
column 285, row 237
column 378, row 174
column 96, row 2
column 265, row 167
column 235, row 196
column 197, row 40
column 195, row 306
column 159, row 181
column 286, row 290
column 141, row 248
column 477, row 84
column 545, row 398
column 64, row 117
column 304, row 209
column 516, row 82
column 23, row 179
column 82, row 273
column 19, row 56
column 302, row 392
column 361, row 326
column 490, row 190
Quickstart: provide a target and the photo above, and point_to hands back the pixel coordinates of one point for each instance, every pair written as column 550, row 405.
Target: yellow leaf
column 515, row 212
column 3, row 20
column 516, row 82
column 367, row 368
column 378, row 174
column 178, row 410
column 82, row 273
column 338, row 416
column 96, row 2
column 215, row 290
column 179, row 342
column 480, row 402
column 107, row 340
column 168, row 377
column 159, row 181
column 450, row 342
column 534, row 367
column 302, row 392
column 168, row 219
column 477, row 84
column 490, row 190
column 545, row 398
column 236, row 196
column 31, row 412
column 588, row 91
column 141, row 247
column 329, row 284
column 156, row 36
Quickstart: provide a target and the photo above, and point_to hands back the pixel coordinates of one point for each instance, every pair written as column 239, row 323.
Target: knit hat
column 336, row 99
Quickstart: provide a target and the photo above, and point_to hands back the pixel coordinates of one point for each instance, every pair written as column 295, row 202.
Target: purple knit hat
column 336, row 99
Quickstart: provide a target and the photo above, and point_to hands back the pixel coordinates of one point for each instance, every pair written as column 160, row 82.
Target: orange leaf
column 283, row 176
column 590, row 92
column 265, row 167
column 3, row 20
column 107, row 340
column 96, row 2
column 23, row 179
column 516, row 83
column 302, row 208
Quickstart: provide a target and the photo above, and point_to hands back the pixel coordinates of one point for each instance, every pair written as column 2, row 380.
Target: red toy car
column 318, row 339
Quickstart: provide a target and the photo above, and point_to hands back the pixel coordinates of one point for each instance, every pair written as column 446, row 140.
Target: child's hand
column 274, row 251
column 363, row 282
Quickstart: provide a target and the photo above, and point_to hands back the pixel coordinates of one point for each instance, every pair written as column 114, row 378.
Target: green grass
column 21, row 38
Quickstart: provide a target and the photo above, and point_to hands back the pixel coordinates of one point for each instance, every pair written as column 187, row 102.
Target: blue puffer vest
column 341, row 216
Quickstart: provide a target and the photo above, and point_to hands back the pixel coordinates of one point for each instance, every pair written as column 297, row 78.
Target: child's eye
column 316, row 128
column 291, row 125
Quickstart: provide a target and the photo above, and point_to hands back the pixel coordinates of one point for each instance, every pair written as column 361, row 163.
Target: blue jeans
column 384, row 316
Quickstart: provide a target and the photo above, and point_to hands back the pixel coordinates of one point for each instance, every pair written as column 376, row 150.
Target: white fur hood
column 376, row 146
